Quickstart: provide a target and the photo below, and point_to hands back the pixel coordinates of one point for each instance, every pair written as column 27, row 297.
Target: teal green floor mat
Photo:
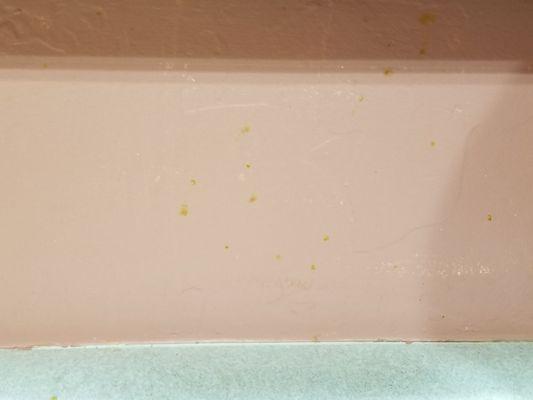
column 399, row 371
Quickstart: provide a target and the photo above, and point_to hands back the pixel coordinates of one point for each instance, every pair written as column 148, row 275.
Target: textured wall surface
column 305, row 171
column 298, row 29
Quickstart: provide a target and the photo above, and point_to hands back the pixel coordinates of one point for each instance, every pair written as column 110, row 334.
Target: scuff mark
column 189, row 289
column 324, row 143
column 226, row 106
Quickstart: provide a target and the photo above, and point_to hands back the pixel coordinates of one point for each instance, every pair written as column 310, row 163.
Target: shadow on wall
column 318, row 30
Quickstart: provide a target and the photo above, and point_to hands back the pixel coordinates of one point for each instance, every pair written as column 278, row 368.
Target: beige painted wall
column 337, row 183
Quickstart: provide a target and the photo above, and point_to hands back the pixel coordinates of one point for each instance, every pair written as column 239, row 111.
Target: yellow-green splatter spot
column 422, row 51
column 253, row 198
column 53, row 398
column 387, row 71
column 278, row 257
column 184, row 210
column 313, row 267
column 427, row 18
column 226, row 247
column 247, row 165
column 194, row 182
column 490, row 218
column 360, row 98
column 325, row 238
column 432, row 143
column 246, row 129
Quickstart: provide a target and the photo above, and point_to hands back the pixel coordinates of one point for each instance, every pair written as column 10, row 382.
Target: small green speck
column 226, row 247
column 184, row 210
column 278, row 257
column 248, row 165
column 432, row 143
column 360, row 98
column 490, row 218
column 325, row 238
column 253, row 198
column 313, row 267
column 53, row 398
column 427, row 18
column 246, row 129
column 194, row 182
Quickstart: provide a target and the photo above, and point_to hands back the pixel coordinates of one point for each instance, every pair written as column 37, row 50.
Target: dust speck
column 313, row 267
column 246, row 129
column 253, row 198
column 247, row 165
column 99, row 13
column 443, row 316
column 422, row 51
column 45, row 65
column 432, row 143
column 184, row 210
column 427, row 18
column 278, row 257
column 194, row 182
column 490, row 217
column 360, row 98
column 314, row 339
column 387, row 71
column 325, row 238
column 226, row 247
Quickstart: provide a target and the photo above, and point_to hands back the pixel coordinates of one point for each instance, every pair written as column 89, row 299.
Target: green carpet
column 444, row 371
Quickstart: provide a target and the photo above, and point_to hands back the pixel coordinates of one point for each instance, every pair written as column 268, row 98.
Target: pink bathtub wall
column 305, row 170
